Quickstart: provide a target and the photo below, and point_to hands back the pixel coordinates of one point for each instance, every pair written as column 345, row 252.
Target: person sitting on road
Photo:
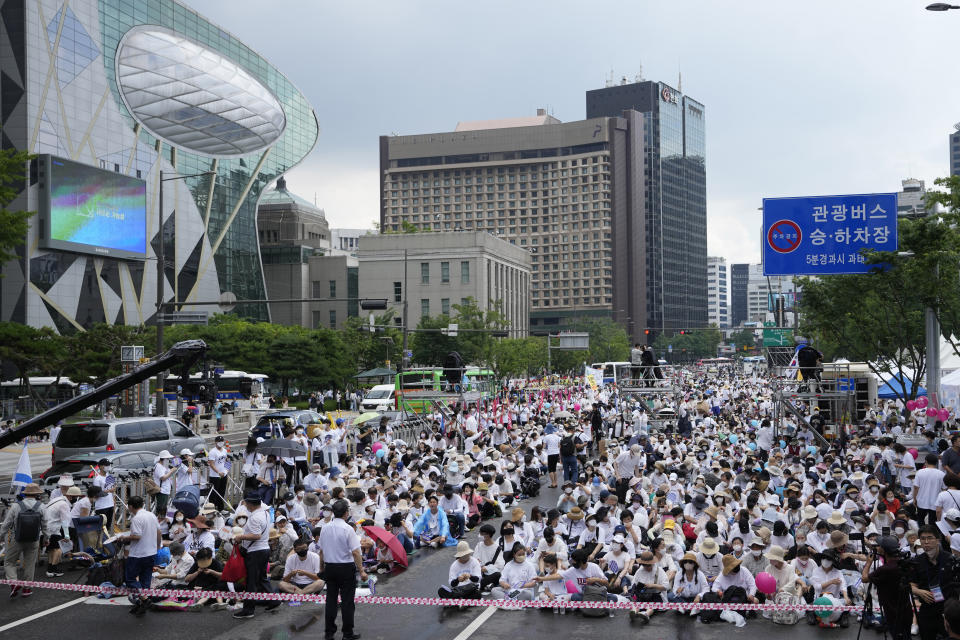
column 518, row 580
column 465, row 573
column 301, row 572
column 432, row 529
column 175, row 573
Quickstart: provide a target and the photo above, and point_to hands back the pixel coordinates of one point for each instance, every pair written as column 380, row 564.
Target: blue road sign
column 820, row 235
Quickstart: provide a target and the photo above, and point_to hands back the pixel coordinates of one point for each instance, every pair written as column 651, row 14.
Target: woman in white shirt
column 827, row 579
column 690, row 583
column 518, row 579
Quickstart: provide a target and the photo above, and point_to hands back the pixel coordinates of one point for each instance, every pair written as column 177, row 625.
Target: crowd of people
column 573, row 492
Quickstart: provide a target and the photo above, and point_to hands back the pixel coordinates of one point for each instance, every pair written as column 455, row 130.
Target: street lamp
column 161, row 404
column 941, row 6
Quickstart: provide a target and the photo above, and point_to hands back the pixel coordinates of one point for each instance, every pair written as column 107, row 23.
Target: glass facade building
column 675, row 209
column 140, row 87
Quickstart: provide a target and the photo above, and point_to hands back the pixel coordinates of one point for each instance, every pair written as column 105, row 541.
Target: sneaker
column 914, row 629
column 272, row 606
column 218, row 606
column 243, row 615
column 14, row 592
column 26, row 592
column 54, row 571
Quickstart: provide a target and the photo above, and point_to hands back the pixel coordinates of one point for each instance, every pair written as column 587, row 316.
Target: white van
column 381, row 398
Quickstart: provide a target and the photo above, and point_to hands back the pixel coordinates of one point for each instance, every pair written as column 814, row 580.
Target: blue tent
column 896, row 388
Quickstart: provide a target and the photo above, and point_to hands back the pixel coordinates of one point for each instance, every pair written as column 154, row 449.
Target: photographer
column 933, row 582
column 893, row 596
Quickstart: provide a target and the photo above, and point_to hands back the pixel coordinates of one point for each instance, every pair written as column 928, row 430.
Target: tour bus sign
column 819, row 235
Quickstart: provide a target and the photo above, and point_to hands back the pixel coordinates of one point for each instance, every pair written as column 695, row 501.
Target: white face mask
column 219, row 445
column 738, row 548
column 826, row 564
column 568, row 491
column 900, row 531
column 591, row 525
column 756, row 552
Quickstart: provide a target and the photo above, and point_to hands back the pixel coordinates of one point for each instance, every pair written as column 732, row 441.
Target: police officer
column 340, row 562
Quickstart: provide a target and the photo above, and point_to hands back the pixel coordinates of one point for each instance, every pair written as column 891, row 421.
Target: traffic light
column 682, row 332
column 375, row 304
column 646, row 332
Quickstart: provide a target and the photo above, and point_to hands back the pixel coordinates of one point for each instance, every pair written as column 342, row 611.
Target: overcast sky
column 802, row 98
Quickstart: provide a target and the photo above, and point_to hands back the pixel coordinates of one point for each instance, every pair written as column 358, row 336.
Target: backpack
column 29, row 524
column 594, row 593
column 785, row 615
column 567, row 447
column 151, row 487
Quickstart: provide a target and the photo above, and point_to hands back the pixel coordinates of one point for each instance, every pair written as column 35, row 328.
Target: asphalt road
column 427, row 571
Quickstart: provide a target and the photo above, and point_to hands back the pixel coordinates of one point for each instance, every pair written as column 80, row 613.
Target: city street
column 38, row 617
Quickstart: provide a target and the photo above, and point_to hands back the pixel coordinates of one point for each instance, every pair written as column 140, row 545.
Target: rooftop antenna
column 640, row 72
column 609, row 81
column 679, row 82
column 314, row 198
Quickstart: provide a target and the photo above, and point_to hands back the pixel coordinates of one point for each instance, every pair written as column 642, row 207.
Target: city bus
column 417, row 388
column 15, row 398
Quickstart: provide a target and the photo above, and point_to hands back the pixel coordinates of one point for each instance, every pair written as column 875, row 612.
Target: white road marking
column 7, row 627
column 472, row 627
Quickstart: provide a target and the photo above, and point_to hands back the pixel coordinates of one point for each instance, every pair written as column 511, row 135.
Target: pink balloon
column 572, row 587
column 922, row 402
column 931, row 412
column 914, row 453
column 376, row 446
column 766, row 583
column 943, row 414
column 576, row 407
column 911, row 405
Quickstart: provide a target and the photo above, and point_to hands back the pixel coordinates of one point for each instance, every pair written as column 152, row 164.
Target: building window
column 398, row 292
column 317, row 291
column 333, row 288
column 445, row 306
column 424, row 307
column 333, row 318
column 465, row 272
column 316, row 319
column 445, row 272
column 424, row 273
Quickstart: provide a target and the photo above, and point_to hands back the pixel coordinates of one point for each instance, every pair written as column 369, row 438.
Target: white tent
column 950, row 391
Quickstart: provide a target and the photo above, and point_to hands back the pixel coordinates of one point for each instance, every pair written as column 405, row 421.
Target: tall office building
column 955, row 151
column 675, row 214
column 739, row 282
column 717, row 291
column 571, row 193
column 113, row 94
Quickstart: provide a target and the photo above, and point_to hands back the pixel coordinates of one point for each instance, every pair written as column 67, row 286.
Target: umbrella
column 282, row 448
column 366, row 417
column 560, row 415
column 395, row 546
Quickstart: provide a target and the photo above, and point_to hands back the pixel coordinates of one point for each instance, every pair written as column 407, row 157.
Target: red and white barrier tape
column 406, row 600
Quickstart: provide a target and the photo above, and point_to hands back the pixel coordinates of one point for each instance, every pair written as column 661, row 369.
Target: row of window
column 543, row 167
column 444, row 306
column 445, row 273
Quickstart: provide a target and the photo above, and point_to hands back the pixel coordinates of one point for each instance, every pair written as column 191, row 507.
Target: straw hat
column 463, row 549
column 576, row 513
column 838, row 539
column 690, row 556
column 764, row 533
column 32, row 489
column 775, row 552
column 836, row 518
column 209, row 507
column 483, row 486
column 729, row 564
column 353, row 484
column 73, row 491
column 516, row 515
column 66, row 480
column 809, row 512
column 709, row 546
column 712, row 511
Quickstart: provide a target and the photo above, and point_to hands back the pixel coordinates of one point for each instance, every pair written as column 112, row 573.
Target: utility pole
column 405, row 325
column 161, row 404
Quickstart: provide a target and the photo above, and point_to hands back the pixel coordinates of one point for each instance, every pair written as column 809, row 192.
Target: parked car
column 126, row 434
column 270, row 425
column 81, row 466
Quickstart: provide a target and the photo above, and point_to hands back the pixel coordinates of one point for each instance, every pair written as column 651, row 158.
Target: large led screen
column 92, row 210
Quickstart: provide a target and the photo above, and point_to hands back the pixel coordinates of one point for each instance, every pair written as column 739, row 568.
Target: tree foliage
column 473, row 341
column 13, row 179
column 691, row 345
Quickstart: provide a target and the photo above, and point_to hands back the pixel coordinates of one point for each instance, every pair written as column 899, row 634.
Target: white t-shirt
column 258, row 522
column 145, row 525
column 580, row 576
column 929, row 482
column 217, row 457
column 105, row 501
column 294, row 563
column 551, row 443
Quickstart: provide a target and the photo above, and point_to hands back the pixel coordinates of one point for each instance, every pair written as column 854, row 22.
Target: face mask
column 874, row 490
column 826, row 564
column 900, row 531
column 738, row 548
column 591, row 525
column 219, row 445
column 241, row 521
column 756, row 552
column 302, row 553
column 178, row 519
column 520, row 557
column 508, row 532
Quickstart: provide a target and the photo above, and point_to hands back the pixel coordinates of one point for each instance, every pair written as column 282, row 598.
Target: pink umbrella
column 387, row 538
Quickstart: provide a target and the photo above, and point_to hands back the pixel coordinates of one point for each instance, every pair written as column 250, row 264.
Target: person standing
column 25, row 524
column 932, row 583
column 145, row 540
column 255, row 547
column 108, row 485
column 217, row 458
column 340, row 562
column 162, row 472
column 927, row 485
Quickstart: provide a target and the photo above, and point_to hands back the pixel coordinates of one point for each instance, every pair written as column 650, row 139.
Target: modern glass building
column 676, row 197
column 138, row 87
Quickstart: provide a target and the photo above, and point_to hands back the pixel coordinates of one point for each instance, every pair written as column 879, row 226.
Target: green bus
column 417, row 388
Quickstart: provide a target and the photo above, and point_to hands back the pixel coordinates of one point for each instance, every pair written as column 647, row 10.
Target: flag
column 226, row 465
column 110, row 482
column 442, row 431
column 22, row 476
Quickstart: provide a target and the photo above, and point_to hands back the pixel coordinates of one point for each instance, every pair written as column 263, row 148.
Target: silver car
column 126, row 434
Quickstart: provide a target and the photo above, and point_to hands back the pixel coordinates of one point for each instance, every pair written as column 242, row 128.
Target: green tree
column 13, row 180
column 609, row 342
column 474, row 340
column 95, row 353
column 366, row 349
column 31, row 352
column 518, row 357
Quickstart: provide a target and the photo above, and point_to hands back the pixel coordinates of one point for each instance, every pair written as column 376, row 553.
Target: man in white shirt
column 104, row 504
column 464, row 575
column 255, row 544
column 927, row 485
column 217, row 458
column 626, row 466
column 301, row 574
column 162, row 472
column 145, row 540
column 340, row 560
column 551, row 444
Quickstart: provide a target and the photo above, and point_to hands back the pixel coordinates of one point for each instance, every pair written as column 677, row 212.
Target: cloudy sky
column 802, row 98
